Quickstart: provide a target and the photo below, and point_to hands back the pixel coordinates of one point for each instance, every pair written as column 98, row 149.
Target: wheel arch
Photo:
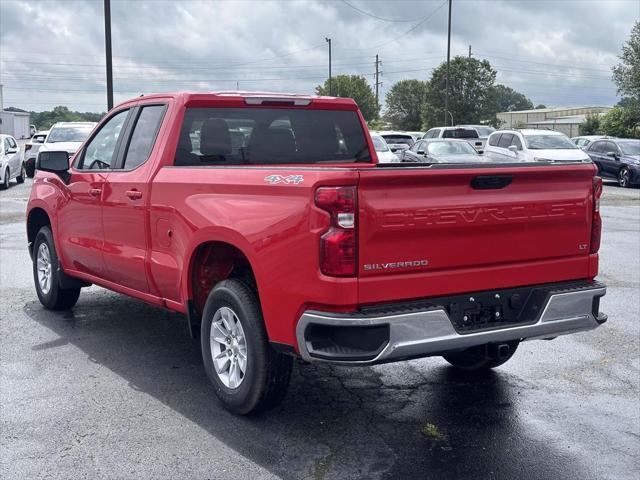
column 36, row 219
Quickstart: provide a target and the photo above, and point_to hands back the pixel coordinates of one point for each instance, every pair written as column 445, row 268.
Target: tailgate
column 427, row 231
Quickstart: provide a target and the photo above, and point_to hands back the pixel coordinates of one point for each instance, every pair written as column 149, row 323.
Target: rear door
column 428, row 231
column 126, row 201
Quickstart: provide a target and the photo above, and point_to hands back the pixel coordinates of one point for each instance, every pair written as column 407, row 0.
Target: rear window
column 402, row 139
column 236, row 136
column 460, row 133
column 485, row 131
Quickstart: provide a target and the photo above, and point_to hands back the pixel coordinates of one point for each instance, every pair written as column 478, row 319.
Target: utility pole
column 378, row 82
column 446, row 95
column 107, row 44
column 328, row 40
column 469, row 51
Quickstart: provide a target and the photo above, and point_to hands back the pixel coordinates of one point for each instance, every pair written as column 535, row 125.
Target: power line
column 375, row 16
column 405, row 33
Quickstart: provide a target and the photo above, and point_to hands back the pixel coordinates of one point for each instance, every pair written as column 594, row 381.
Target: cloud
column 556, row 52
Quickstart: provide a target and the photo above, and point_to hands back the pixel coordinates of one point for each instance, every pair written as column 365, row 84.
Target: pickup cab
column 268, row 222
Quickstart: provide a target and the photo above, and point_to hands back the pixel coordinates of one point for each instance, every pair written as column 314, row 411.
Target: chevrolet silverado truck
column 267, row 221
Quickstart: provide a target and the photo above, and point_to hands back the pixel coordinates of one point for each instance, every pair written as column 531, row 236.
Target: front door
column 126, row 202
column 80, row 217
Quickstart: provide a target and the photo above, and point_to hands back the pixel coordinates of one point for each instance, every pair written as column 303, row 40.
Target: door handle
column 95, row 192
column 134, row 194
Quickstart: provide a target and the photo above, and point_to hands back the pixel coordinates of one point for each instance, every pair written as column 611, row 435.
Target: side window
column 100, row 150
column 144, row 136
column 516, row 141
column 5, row 144
column 436, row 133
column 12, row 142
column 611, row 147
column 505, row 140
column 494, row 139
column 595, row 147
column 416, row 146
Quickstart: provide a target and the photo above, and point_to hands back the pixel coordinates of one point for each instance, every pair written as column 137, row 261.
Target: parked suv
column 66, row 136
column 532, row 146
column 467, row 133
column 617, row 158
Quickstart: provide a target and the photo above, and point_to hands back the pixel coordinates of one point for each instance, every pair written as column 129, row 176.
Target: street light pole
column 328, row 40
column 446, row 95
column 107, row 44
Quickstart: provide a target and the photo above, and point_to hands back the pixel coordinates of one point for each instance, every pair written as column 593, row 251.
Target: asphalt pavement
column 115, row 389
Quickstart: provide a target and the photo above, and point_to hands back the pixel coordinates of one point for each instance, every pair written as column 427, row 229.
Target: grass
column 429, row 430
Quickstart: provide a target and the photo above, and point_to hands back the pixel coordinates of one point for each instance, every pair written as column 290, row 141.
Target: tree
column 470, row 93
column 352, row 86
column 622, row 121
column 626, row 74
column 404, row 104
column 591, row 125
column 508, row 100
column 44, row 120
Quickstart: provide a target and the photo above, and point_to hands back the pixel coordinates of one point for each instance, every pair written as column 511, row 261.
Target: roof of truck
column 227, row 95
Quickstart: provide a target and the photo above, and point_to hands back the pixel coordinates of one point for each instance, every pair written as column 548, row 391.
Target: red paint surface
column 532, row 231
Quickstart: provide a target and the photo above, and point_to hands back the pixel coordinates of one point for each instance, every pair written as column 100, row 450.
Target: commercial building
column 563, row 119
column 15, row 124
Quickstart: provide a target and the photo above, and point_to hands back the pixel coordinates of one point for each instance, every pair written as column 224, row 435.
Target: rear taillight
column 338, row 246
column 596, row 222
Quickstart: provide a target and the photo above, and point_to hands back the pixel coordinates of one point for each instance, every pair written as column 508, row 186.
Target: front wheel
column 46, row 274
column 23, row 174
column 247, row 374
column 482, row 357
column 624, row 177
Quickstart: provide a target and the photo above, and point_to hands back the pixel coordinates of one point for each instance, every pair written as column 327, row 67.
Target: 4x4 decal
column 291, row 179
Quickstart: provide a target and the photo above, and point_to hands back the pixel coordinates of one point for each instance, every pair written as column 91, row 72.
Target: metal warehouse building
column 563, row 119
column 15, row 124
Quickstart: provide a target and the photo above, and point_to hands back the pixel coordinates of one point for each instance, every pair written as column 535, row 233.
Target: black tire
column 624, row 177
column 31, row 171
column 55, row 297
column 480, row 358
column 23, row 174
column 267, row 372
column 5, row 184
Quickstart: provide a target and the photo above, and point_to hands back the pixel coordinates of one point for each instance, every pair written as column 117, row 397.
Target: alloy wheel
column 228, row 347
column 43, row 265
column 623, row 177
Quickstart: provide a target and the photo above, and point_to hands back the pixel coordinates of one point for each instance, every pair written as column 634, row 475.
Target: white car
column 469, row 133
column 397, row 141
column 585, row 140
column 532, row 146
column 385, row 155
column 66, row 136
column 31, row 151
column 11, row 164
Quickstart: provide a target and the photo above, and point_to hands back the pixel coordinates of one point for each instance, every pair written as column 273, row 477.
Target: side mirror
column 420, row 152
column 612, row 155
column 54, row 162
column 513, row 148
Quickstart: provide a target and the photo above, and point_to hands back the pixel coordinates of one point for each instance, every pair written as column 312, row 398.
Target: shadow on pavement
column 335, row 422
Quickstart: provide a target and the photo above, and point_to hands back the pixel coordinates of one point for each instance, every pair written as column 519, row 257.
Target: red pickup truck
column 267, row 220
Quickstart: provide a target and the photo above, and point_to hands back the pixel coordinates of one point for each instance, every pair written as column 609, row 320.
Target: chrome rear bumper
column 431, row 332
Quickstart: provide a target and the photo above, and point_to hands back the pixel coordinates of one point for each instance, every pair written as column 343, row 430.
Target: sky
column 52, row 52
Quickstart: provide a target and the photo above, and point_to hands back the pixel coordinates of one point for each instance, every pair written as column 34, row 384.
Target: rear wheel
column 482, row 357
column 5, row 184
column 31, row 170
column 46, row 274
column 247, row 374
column 23, row 174
column 624, row 177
